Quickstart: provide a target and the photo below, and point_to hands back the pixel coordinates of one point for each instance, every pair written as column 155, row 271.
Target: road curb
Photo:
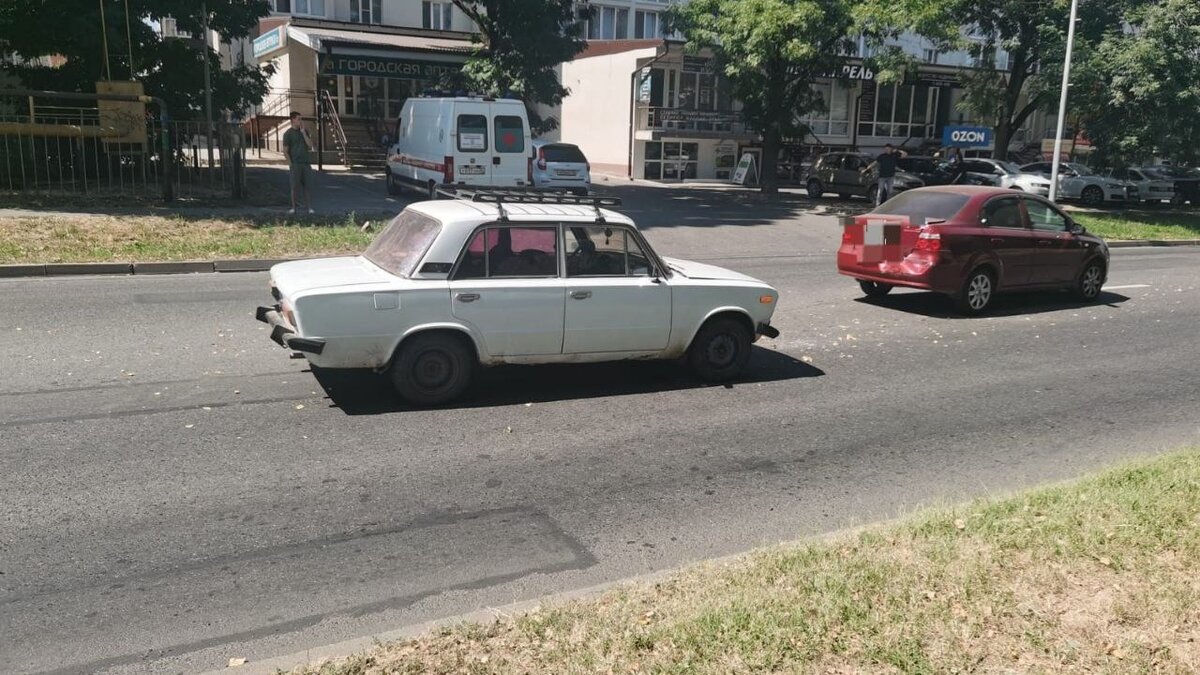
column 226, row 266
column 1137, row 243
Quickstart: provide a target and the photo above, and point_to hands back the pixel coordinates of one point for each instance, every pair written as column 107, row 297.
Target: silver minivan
column 560, row 165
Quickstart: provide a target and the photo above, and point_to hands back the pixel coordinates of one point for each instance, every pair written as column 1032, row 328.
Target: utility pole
column 208, row 114
column 1062, row 103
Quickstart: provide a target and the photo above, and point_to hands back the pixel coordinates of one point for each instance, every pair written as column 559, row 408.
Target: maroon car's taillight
column 929, row 242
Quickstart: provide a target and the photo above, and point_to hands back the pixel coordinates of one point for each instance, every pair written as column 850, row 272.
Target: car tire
column 815, row 189
column 978, row 290
column 393, row 188
column 1092, row 195
column 720, row 350
column 432, row 369
column 874, row 289
column 1090, row 282
column 433, row 190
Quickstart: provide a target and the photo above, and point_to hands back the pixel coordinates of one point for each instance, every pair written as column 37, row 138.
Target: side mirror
column 1075, row 228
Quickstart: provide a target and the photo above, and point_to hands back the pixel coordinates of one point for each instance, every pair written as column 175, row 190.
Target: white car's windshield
column 1009, row 168
column 399, row 248
column 1080, row 169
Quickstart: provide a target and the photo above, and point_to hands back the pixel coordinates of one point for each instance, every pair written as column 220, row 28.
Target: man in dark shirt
column 295, row 149
column 886, row 163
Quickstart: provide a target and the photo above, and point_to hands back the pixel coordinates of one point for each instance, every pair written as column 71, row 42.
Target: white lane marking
column 1117, row 288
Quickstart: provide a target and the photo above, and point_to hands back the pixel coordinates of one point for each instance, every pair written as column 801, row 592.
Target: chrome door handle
column 467, row 297
column 581, row 295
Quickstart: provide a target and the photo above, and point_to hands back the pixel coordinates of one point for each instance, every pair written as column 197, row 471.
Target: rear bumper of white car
column 284, row 334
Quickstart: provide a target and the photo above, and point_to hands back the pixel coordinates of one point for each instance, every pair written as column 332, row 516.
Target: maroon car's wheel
column 977, row 292
column 874, row 289
column 1087, row 288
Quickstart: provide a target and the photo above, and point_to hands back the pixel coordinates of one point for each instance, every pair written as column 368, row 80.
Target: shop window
column 669, row 160
column 902, row 111
column 834, row 120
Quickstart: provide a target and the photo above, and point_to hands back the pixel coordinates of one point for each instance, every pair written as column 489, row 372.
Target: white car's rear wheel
column 721, row 349
column 432, row 369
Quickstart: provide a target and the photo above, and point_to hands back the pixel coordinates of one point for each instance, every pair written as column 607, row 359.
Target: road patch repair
column 1094, row 575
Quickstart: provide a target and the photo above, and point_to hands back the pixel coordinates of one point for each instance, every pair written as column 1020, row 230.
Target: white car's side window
column 510, row 251
column 604, row 251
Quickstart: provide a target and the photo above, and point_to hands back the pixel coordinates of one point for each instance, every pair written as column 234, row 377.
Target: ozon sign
column 967, row 137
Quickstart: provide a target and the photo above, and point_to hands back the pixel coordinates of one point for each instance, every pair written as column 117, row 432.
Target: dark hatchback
column 931, row 171
column 971, row 243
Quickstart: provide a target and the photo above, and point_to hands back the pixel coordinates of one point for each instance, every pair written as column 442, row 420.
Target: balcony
column 654, row 122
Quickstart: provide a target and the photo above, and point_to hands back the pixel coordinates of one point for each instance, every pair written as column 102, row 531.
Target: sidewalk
column 337, row 191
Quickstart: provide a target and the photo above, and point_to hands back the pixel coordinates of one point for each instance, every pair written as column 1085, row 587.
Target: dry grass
column 1099, row 576
column 96, row 238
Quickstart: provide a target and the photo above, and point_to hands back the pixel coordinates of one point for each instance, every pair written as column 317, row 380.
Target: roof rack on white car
column 502, row 196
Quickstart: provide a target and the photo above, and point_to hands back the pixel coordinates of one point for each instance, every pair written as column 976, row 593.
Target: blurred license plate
column 561, row 172
column 475, row 169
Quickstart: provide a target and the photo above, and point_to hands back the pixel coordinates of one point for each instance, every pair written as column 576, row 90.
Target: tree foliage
column 172, row 69
column 518, row 48
column 770, row 52
column 1137, row 92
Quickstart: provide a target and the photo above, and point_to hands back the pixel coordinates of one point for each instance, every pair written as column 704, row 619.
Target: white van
column 462, row 140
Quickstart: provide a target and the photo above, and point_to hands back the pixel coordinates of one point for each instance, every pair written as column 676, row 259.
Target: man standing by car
column 295, row 149
column 886, row 163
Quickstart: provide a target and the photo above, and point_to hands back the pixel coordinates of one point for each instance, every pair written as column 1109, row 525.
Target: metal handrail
column 339, row 133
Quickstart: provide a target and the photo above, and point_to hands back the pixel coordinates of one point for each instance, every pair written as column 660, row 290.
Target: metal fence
column 55, row 150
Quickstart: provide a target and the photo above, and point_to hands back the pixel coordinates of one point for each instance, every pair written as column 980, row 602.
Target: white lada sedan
column 450, row 285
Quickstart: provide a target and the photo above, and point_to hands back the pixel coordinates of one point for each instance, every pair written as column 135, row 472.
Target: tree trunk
column 1003, row 135
column 768, row 179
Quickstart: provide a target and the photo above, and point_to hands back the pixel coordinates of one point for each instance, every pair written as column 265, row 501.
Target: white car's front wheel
column 432, row 368
column 721, row 349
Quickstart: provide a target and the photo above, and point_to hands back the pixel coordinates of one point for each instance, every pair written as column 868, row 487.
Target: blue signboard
column 268, row 41
column 967, row 137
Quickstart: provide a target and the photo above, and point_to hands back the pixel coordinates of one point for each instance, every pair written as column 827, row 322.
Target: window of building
column 304, row 7
column 902, row 111
column 835, row 118
column 608, row 23
column 930, row 55
column 669, row 160
column 646, row 25
column 437, row 15
column 366, row 11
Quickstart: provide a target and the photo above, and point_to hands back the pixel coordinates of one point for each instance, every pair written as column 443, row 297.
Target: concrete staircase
column 361, row 149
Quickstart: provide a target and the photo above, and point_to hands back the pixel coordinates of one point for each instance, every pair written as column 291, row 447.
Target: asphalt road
column 174, row 491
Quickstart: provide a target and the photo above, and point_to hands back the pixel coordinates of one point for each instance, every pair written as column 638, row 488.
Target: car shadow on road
column 938, row 306
column 365, row 393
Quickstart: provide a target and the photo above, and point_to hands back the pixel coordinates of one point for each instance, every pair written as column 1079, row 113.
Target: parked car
column 1006, row 174
column 1151, row 188
column 450, row 285
column 1186, row 182
column 932, row 171
column 1076, row 181
column 560, row 165
column 841, row 172
column 971, row 243
column 465, row 140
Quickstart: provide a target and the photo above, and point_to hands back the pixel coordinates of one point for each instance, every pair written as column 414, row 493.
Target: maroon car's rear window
column 923, row 205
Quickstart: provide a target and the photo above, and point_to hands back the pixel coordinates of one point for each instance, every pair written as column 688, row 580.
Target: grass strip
column 1141, row 225
column 1100, row 575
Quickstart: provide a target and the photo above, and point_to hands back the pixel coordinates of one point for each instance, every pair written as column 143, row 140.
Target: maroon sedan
column 971, row 243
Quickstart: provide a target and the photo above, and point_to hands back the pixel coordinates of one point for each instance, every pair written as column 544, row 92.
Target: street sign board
column 744, row 170
column 268, row 41
column 967, row 137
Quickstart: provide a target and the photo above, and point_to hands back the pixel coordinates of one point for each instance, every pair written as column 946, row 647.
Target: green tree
column 1031, row 32
column 172, row 69
column 518, row 47
column 770, row 52
column 1137, row 93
